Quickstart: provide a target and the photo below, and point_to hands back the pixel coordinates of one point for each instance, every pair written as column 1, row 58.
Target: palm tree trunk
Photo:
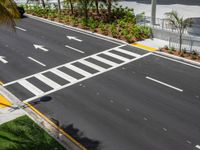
column 43, row 3
column 59, row 7
column 109, row 9
column 97, row 6
column 72, row 7
column 180, row 42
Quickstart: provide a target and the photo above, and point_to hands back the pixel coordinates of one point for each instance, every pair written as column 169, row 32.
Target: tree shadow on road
column 90, row 144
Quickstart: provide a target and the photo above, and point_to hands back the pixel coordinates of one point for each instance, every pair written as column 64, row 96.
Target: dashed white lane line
column 20, row 28
column 197, row 146
column 163, row 83
column 74, row 49
column 36, row 61
column 164, row 129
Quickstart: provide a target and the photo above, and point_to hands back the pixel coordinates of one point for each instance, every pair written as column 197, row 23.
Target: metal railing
column 188, row 45
column 162, row 24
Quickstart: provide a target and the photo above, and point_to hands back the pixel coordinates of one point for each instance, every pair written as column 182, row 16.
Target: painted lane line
column 180, row 90
column 197, row 146
column 20, row 28
column 63, row 65
column 2, row 59
column 78, row 70
column 104, row 60
column 88, row 77
column 40, row 47
column 116, row 56
column 47, row 81
column 87, row 63
column 36, row 61
column 74, row 38
column 32, row 88
column 172, row 59
column 126, row 52
column 63, row 75
column 74, row 49
column 98, row 36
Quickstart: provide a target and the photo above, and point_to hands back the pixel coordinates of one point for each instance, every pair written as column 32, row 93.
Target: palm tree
column 9, row 12
column 179, row 23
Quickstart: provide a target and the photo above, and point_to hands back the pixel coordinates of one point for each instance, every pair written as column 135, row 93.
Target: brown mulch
column 187, row 55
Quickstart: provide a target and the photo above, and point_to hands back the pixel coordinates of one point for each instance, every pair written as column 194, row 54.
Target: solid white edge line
column 67, row 85
column 20, row 28
column 63, row 65
column 74, row 49
column 173, row 59
column 36, row 61
column 197, row 146
column 163, row 83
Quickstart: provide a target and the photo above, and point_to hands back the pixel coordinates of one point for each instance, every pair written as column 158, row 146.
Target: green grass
column 23, row 134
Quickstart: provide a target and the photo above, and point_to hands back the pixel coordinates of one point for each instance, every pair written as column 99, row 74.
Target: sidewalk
column 8, row 114
column 187, row 8
column 154, row 43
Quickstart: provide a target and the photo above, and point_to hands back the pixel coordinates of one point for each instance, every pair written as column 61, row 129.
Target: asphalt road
column 119, row 97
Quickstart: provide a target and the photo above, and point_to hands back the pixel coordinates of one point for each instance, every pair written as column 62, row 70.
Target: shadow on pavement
column 90, row 144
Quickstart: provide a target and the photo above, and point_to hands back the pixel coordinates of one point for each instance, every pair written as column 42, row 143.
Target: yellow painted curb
column 1, row 83
column 4, row 102
column 57, row 127
column 148, row 48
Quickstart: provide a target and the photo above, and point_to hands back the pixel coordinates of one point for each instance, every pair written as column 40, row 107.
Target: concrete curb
column 178, row 58
column 75, row 28
column 51, row 130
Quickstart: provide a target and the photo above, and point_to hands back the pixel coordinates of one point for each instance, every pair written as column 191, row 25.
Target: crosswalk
column 83, row 67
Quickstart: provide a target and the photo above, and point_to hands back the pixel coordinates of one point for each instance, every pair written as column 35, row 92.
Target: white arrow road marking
column 74, row 38
column 20, row 28
column 36, row 61
column 2, row 59
column 74, row 49
column 40, row 47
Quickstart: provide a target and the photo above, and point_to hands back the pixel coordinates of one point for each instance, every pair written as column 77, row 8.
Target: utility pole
column 153, row 12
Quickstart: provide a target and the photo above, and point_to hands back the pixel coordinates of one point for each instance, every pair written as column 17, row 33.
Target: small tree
column 179, row 23
column 85, row 5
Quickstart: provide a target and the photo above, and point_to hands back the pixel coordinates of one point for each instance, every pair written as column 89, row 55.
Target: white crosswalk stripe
column 47, row 81
column 127, row 52
column 72, row 80
column 105, row 61
column 63, row 75
column 78, row 70
column 116, row 56
column 33, row 89
column 96, row 67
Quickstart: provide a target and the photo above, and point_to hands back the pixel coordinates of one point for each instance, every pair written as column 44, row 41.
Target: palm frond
column 6, row 17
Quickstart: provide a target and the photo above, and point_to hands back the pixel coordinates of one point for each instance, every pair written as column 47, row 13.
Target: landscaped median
column 119, row 23
column 23, row 134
